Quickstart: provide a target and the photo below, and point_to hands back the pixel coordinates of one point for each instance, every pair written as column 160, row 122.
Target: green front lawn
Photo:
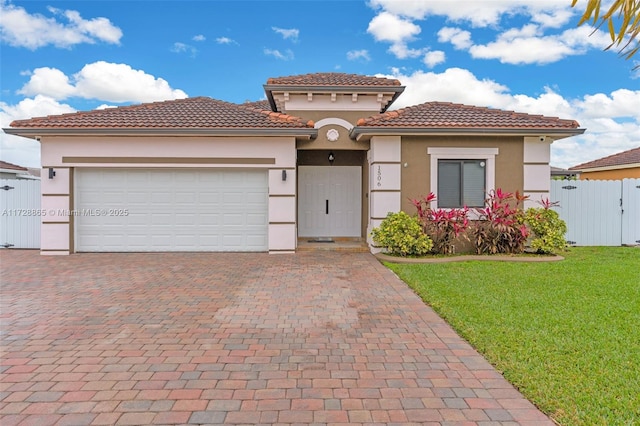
column 567, row 334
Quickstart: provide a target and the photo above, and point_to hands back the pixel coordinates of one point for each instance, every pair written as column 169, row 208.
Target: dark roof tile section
column 631, row 156
column 332, row 79
column 439, row 115
column 11, row 166
column 189, row 113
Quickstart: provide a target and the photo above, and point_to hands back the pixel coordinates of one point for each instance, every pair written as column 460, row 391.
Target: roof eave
column 35, row 132
column 13, row 171
column 362, row 132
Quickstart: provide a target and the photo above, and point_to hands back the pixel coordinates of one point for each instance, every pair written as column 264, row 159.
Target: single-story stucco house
column 321, row 157
column 622, row 165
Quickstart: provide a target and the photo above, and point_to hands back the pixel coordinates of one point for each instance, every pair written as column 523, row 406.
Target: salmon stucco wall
column 65, row 154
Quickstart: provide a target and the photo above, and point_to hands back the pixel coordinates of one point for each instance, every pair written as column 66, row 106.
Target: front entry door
column 329, row 201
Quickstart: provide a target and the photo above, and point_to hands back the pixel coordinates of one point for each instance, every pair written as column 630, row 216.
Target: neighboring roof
column 200, row 113
column 10, row 166
column 448, row 115
column 625, row 158
column 333, row 82
column 332, row 79
column 557, row 171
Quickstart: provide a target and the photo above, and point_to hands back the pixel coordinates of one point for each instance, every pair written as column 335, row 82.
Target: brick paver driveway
column 233, row 339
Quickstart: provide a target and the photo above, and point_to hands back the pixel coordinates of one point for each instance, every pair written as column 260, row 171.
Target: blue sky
column 523, row 55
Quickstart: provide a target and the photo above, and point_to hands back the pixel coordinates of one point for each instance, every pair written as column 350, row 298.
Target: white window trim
column 487, row 154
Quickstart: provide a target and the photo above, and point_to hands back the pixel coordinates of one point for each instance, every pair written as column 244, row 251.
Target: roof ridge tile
column 434, row 114
column 197, row 112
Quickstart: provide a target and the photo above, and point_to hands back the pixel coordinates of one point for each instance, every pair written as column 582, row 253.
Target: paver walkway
column 326, row 338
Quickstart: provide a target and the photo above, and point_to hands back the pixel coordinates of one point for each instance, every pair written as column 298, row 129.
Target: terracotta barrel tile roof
column 189, row 113
column 262, row 105
column 448, row 115
column 332, row 79
column 631, row 156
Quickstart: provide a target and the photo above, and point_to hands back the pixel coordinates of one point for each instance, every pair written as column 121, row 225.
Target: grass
column 567, row 334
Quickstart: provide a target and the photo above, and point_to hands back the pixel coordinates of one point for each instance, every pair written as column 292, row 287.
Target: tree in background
column 623, row 21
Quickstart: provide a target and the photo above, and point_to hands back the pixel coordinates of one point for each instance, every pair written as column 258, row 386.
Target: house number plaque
column 379, row 176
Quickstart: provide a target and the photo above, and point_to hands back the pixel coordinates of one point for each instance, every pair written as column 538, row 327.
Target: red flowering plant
column 443, row 226
column 500, row 227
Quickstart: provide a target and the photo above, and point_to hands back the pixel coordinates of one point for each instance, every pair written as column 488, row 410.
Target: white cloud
column 461, row 39
column 527, row 45
column 436, row 57
column 286, row 56
column 22, row 151
column 397, row 23
column 452, row 85
column 554, row 18
column 620, row 103
column 389, row 27
column 121, row 83
column 50, row 82
column 101, row 80
column 479, row 13
column 20, row 29
column 402, row 51
column 179, row 47
column 291, row 33
column 225, row 40
column 354, row 55
column 199, row 37
column 612, row 119
column 99, row 28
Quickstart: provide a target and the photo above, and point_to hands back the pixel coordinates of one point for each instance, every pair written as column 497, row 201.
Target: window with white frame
column 461, row 176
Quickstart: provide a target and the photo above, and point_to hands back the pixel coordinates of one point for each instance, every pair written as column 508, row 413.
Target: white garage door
column 125, row 210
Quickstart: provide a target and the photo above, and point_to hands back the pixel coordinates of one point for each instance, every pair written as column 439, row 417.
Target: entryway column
column 56, row 233
column 384, row 180
column 537, row 172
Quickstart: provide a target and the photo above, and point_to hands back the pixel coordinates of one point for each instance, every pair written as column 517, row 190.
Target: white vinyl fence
column 599, row 212
column 19, row 213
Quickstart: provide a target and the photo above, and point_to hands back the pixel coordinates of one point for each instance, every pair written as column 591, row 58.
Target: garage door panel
column 186, row 197
column 161, row 197
column 232, row 219
column 173, row 210
column 137, row 220
column 162, row 219
column 256, row 219
column 187, row 219
column 234, row 198
column 212, row 198
column 210, row 219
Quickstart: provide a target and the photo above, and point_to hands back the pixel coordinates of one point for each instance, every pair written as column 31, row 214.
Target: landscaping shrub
column 443, row 226
column 547, row 227
column 501, row 226
column 402, row 235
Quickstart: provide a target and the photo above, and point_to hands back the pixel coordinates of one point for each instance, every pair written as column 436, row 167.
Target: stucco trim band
column 168, row 160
